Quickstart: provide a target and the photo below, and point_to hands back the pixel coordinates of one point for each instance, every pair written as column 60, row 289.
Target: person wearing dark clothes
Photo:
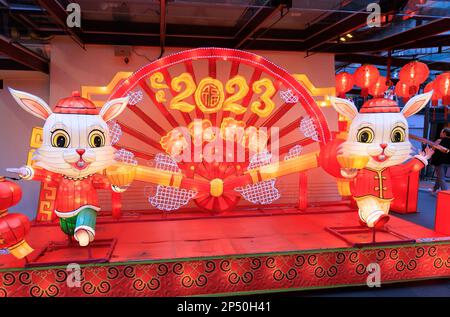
column 441, row 160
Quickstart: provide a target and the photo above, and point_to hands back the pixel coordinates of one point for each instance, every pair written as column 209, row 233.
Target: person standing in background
column 441, row 161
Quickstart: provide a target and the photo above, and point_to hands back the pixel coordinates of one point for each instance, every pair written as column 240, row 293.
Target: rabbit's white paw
column 24, row 172
column 82, row 236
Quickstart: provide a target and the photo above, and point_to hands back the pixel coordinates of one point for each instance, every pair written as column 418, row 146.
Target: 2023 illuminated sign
column 209, row 94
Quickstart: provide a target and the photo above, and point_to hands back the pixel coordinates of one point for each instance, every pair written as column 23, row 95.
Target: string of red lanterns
column 411, row 76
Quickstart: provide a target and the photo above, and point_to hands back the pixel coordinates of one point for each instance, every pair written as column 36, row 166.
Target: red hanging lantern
column 377, row 90
column 413, row 74
column 436, row 93
column 402, row 90
column 344, row 83
column 443, row 86
column 13, row 227
column 366, row 76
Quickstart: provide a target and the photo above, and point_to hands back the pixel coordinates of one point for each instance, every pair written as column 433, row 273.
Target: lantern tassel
column 446, row 100
column 20, row 250
column 364, row 92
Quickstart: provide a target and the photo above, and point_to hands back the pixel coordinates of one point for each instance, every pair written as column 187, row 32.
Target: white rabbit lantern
column 378, row 133
column 75, row 152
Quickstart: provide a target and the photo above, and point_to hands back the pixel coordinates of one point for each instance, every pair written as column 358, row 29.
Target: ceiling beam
column 257, row 44
column 345, row 25
column 9, row 64
column 23, row 55
column 142, row 28
column 413, row 36
column 252, row 19
column 383, row 61
column 154, row 40
column 59, row 15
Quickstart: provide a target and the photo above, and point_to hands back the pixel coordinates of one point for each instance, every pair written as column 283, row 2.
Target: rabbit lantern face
column 76, row 141
column 379, row 130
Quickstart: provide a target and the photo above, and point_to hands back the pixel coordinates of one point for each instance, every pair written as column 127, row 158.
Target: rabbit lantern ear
column 344, row 107
column 113, row 108
column 415, row 104
column 31, row 103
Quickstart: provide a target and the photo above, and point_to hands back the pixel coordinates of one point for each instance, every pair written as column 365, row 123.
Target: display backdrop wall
column 15, row 130
column 72, row 67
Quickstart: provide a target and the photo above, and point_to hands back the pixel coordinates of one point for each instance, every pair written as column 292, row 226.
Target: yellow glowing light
column 349, row 35
column 265, row 105
column 88, row 91
column 174, row 142
column 237, row 82
column 201, row 131
column 209, row 95
column 185, row 81
column 324, row 92
column 232, row 130
column 157, row 82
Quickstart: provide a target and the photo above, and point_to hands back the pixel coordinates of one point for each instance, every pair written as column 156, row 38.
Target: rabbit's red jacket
column 379, row 182
column 73, row 195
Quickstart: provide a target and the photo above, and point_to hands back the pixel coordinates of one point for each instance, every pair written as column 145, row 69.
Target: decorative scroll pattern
column 260, row 159
column 295, row 151
column 169, row 198
column 125, row 156
column 263, row 192
column 166, row 163
column 135, row 97
column 115, row 131
column 288, row 96
column 233, row 274
column 309, row 128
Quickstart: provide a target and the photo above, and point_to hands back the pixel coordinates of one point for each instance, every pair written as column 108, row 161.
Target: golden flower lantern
column 353, row 161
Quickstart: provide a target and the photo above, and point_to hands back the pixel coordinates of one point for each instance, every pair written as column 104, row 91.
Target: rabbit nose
column 383, row 145
column 81, row 152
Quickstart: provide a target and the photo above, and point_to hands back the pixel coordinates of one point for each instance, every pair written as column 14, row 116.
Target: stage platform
column 244, row 252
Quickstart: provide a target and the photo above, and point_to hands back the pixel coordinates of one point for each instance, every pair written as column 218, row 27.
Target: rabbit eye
column 96, row 138
column 60, row 138
column 365, row 135
column 398, row 134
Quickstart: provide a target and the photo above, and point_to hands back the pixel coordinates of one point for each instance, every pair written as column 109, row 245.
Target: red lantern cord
column 414, row 74
column 377, row 90
column 366, row 76
column 344, row 83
